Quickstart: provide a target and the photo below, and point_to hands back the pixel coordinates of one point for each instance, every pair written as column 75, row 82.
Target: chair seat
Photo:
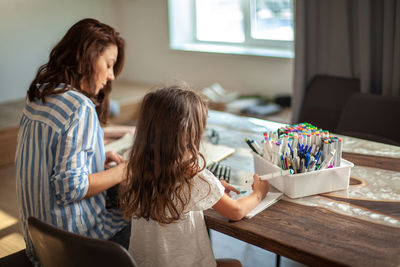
column 18, row 258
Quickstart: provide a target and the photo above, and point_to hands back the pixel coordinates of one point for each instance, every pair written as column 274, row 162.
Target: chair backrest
column 372, row 117
column 58, row 248
column 325, row 99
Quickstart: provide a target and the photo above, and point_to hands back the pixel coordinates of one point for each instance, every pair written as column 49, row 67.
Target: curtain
column 347, row 38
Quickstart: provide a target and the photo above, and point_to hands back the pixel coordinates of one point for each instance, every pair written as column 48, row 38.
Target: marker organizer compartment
column 308, row 183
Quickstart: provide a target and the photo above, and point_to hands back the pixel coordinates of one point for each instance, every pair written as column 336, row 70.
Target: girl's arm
column 237, row 209
column 228, row 187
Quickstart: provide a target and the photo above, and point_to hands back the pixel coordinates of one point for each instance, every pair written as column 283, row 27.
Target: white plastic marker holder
column 276, row 174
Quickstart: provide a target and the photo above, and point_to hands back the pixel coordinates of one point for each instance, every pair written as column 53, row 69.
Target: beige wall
column 149, row 59
column 29, row 29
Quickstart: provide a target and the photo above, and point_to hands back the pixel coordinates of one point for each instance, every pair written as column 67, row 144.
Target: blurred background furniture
column 325, row 99
column 56, row 247
column 371, row 117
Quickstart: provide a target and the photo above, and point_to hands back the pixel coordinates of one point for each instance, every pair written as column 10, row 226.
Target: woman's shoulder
column 75, row 96
column 71, row 98
column 60, row 107
column 62, row 102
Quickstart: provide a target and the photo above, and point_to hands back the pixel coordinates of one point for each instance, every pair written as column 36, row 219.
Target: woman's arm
column 101, row 181
column 237, row 209
column 118, row 131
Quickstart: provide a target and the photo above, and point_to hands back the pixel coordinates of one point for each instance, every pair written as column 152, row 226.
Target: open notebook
column 271, row 197
column 210, row 151
column 244, row 187
column 215, row 153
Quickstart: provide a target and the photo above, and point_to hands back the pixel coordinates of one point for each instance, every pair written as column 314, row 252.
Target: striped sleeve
column 74, row 150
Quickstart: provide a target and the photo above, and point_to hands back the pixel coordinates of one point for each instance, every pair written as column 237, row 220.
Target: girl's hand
column 261, row 188
column 113, row 159
column 229, row 188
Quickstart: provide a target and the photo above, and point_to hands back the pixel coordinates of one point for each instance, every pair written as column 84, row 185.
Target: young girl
column 168, row 187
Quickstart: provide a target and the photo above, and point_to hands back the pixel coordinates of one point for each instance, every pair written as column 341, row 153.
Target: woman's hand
column 117, row 131
column 113, row 159
column 101, row 181
column 229, row 188
column 260, row 187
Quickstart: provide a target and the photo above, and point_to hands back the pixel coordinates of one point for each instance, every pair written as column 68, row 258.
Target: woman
column 60, row 159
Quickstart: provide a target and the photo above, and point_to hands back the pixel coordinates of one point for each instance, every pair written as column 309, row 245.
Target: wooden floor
column 11, row 239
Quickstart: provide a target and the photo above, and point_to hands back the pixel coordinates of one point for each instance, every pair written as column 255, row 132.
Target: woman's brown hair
column 165, row 155
column 72, row 62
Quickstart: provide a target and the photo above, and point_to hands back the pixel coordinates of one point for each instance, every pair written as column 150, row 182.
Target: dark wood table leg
column 277, row 260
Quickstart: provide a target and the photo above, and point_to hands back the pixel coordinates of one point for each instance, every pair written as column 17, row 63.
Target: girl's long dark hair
column 165, row 155
column 72, row 62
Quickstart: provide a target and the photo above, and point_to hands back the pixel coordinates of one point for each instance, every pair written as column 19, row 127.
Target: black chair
column 325, row 99
column 18, row 258
column 58, row 248
column 372, row 117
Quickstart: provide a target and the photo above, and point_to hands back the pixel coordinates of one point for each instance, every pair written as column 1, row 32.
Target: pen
column 302, row 166
column 224, row 174
column 286, row 163
column 291, row 150
column 221, row 172
column 256, row 147
column 339, row 152
column 285, row 143
column 214, row 168
column 327, row 161
column 267, row 149
column 249, row 142
column 211, row 165
column 282, row 163
column 276, row 153
column 275, row 174
column 218, row 171
column 307, row 160
column 317, row 157
column 228, row 173
column 311, row 164
column 294, row 165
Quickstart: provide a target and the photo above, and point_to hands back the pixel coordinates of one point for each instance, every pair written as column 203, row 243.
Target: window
column 255, row 27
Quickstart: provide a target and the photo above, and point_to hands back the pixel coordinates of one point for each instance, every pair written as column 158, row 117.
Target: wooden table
column 318, row 236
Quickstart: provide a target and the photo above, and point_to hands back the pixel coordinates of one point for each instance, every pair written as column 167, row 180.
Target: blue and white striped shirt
column 60, row 143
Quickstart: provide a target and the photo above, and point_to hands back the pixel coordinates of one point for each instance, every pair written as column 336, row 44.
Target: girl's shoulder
column 206, row 191
column 206, row 176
